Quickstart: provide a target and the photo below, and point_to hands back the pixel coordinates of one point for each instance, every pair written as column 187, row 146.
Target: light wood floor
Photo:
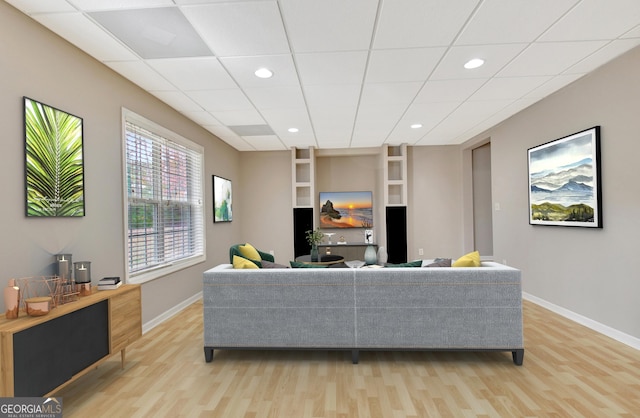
column 568, row 371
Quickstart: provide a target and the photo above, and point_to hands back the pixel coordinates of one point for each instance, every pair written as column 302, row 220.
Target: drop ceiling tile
column 240, row 28
column 496, row 56
column 202, row 118
column 84, row 34
column 502, row 22
column 91, row 5
column 177, row 100
column 243, row 69
column 180, row 2
column 553, row 85
column 229, row 137
column 239, row 117
column 332, row 96
column 329, row 25
column 419, row 23
column 603, row 55
column 39, row 6
column 276, row 97
column 389, row 93
column 427, row 114
column 435, row 91
column 331, row 67
column 161, row 32
column 393, row 65
column 221, row 100
column 141, row 74
column 549, row 58
column 595, row 20
column 508, row 88
column 281, row 120
column 337, row 117
column 265, row 142
column 194, row 73
column 633, row 33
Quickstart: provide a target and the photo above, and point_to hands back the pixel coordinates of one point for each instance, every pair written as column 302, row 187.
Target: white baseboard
column 170, row 313
column 587, row 322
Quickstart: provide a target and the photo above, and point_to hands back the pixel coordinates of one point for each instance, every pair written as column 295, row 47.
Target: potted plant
column 314, row 237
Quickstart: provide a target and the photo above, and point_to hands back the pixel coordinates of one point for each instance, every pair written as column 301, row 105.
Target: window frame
column 165, row 268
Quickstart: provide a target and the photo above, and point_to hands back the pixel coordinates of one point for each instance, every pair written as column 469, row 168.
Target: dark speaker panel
column 396, row 234
column 302, row 222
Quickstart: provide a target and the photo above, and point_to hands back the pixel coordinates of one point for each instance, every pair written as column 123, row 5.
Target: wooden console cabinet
column 40, row 355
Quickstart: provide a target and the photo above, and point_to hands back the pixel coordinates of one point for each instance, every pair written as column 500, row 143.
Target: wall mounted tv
column 346, row 210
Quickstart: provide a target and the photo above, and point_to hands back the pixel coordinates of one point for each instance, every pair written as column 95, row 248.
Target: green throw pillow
column 299, row 265
column 417, row 263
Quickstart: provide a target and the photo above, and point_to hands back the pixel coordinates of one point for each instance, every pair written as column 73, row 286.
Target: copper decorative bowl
column 38, row 306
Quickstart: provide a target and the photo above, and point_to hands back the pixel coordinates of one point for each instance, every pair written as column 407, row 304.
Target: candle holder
column 64, row 267
column 82, row 276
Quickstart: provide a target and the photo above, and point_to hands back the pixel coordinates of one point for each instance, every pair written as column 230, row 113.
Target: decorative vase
column 12, row 299
column 314, row 252
column 382, row 256
column 370, row 256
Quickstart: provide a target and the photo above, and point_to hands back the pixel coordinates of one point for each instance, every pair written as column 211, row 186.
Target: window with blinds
column 164, row 181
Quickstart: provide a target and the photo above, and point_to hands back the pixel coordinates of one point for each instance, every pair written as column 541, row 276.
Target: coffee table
column 322, row 259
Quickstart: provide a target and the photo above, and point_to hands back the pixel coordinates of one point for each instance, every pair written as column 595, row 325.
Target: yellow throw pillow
column 468, row 260
column 248, row 251
column 243, row 263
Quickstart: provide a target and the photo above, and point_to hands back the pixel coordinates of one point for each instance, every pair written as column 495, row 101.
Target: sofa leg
column 208, row 354
column 355, row 356
column 518, row 357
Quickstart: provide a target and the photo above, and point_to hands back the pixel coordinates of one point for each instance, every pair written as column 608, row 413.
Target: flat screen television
column 346, row 210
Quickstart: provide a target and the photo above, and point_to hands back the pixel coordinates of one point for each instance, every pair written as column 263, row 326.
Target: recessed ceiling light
column 293, row 130
column 474, row 63
column 264, row 73
column 416, row 126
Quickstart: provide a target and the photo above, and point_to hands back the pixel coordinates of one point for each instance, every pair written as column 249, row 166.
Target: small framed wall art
column 222, row 200
column 54, row 162
column 564, row 181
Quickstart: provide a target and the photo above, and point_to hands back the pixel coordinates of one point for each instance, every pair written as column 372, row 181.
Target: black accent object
column 302, row 222
column 396, row 234
column 518, row 356
column 49, row 354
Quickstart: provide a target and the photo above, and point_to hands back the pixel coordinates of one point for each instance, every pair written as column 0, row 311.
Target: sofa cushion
column 417, row 263
column 243, row 263
column 266, row 264
column 471, row 259
column 440, row 262
column 299, row 265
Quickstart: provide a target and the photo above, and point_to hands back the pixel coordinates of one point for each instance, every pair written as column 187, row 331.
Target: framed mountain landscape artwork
column 54, row 164
column 564, row 181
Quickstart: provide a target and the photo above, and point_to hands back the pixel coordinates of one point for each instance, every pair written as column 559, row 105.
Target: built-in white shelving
column 394, row 166
column 303, row 177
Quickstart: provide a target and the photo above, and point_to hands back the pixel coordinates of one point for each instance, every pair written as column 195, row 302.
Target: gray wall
column 38, row 64
column 587, row 271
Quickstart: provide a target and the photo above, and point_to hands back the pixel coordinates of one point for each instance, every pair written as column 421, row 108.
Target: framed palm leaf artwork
column 54, row 165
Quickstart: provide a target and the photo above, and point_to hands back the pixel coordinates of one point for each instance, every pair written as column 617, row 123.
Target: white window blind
column 164, row 198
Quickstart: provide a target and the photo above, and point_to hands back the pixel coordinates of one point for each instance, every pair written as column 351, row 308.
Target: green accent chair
column 234, row 250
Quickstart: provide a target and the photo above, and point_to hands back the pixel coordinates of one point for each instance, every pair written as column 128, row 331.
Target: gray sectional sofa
column 419, row 308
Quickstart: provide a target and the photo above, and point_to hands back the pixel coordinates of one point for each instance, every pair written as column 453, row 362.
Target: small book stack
column 109, row 283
